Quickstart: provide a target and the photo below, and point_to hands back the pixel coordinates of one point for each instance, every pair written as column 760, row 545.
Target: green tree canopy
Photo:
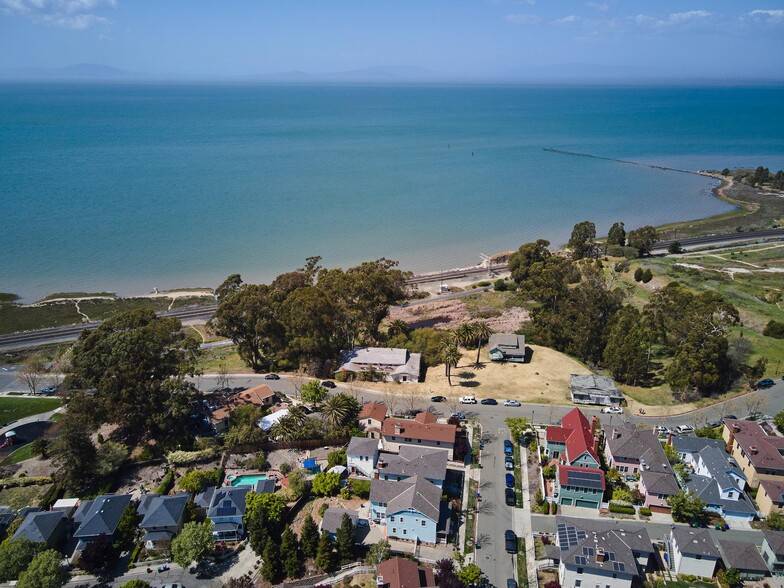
column 521, row 261
column 15, row 557
column 271, row 567
column 197, row 480
column 309, row 537
column 136, row 364
column 326, row 484
column 583, row 240
column 686, row 507
column 517, row 427
column 642, row 239
column 193, row 544
column 616, row 235
column 471, row 575
column 313, row 392
column 74, row 453
column 626, row 352
column 344, row 538
column 378, row 552
column 44, row 571
column 292, row 555
column 326, row 558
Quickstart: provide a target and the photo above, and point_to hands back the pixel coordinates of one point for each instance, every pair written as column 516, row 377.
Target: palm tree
column 339, row 410
column 463, row 334
column 482, row 332
column 285, row 429
column 450, row 355
column 297, row 416
column 398, row 327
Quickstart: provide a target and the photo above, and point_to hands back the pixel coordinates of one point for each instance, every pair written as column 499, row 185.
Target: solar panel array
column 569, row 536
column 584, row 479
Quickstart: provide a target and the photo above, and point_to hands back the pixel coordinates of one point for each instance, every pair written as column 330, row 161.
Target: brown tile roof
column 763, row 450
column 425, row 417
column 373, row 410
column 774, row 489
column 416, row 430
column 256, row 396
column 399, row 572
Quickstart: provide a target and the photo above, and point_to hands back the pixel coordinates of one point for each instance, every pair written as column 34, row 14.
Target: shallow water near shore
column 129, row 187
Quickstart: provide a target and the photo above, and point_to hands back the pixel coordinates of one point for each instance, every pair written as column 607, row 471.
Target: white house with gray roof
column 226, row 510
column 773, row 551
column 162, row 518
column 410, row 509
column 691, row 552
column 362, row 457
column 591, row 389
column 689, row 446
column 601, row 553
column 99, row 517
column 719, row 482
column 425, row 462
column 394, row 364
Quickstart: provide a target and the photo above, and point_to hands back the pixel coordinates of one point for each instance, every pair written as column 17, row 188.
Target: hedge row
column 646, row 512
column 617, row 508
column 25, row 481
column 186, row 457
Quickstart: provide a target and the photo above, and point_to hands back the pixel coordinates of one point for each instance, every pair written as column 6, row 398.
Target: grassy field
column 210, row 360
column 18, row 498
column 14, row 318
column 21, row 454
column 76, row 295
column 12, row 409
column 48, row 352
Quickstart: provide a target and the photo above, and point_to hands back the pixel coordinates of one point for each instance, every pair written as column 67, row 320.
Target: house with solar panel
column 691, row 552
column 592, row 552
column 226, row 510
column 579, row 481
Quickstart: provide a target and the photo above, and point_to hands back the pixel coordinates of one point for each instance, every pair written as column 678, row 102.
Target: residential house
column 226, row 510
column 593, row 552
column 773, row 551
column 260, row 396
column 400, row 572
column 770, row 497
column 392, row 364
column 423, row 430
column 371, row 417
column 66, row 505
column 362, row 457
column 760, row 456
column 333, row 518
column 689, row 446
column 162, row 518
column 631, row 450
column 203, row 499
column 268, row 421
column 410, row 509
column 719, row 482
column 506, row 347
column 591, row 389
column 99, row 517
column 7, row 516
column 413, row 460
column 50, row 528
column 579, row 481
column 691, row 552
column 744, row 557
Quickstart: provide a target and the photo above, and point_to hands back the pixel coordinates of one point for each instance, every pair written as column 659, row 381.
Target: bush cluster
column 186, row 457
column 617, row 508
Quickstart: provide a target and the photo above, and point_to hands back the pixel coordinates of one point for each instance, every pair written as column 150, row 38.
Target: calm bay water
column 129, row 187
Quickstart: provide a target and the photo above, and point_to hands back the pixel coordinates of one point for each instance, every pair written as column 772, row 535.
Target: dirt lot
column 450, row 314
column 312, row 508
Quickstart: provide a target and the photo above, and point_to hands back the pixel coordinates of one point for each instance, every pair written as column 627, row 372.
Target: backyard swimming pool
column 248, row 480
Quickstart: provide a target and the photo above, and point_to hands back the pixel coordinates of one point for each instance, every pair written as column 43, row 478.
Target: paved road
column 694, row 242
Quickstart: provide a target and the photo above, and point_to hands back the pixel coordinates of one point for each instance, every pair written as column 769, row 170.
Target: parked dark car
column 329, row 384
column 510, row 480
column 511, row 499
column 766, row 383
column 510, row 541
column 508, row 447
column 511, row 583
column 272, row 377
column 437, row 398
column 488, row 401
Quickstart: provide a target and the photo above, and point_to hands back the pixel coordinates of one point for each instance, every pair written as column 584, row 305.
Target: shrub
column 322, row 509
column 774, row 329
column 499, row 285
column 186, row 457
column 647, row 276
column 554, row 508
column 285, row 469
column 617, row 508
column 166, row 484
column 25, row 481
column 646, row 512
column 638, row 274
column 326, row 484
column 197, row 480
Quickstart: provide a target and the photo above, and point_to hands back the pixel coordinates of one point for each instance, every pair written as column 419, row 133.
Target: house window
column 731, row 494
column 392, row 519
column 424, row 523
column 579, row 570
column 419, row 441
column 394, row 530
column 408, row 439
column 438, row 442
column 405, row 532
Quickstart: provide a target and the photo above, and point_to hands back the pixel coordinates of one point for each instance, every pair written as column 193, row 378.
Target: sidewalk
column 523, row 525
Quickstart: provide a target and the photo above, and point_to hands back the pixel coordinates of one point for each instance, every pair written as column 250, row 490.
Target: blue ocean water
column 129, row 187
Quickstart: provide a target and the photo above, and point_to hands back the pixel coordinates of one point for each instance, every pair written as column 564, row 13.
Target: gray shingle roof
column 228, row 502
column 204, row 498
column 333, row 518
column 660, row 483
column 633, row 534
column 415, row 492
column 776, row 541
column 416, row 461
column 630, row 442
column 362, row 446
column 103, row 516
column 595, row 385
column 693, row 444
column 692, row 541
column 743, row 556
column 718, row 464
column 155, row 536
column 162, row 511
column 39, row 527
column 707, row 490
column 587, row 539
column 509, row 343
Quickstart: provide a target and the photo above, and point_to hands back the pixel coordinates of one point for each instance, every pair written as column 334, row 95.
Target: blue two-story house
column 410, row 509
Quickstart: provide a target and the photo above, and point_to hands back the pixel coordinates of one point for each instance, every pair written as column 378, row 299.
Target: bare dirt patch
column 450, row 314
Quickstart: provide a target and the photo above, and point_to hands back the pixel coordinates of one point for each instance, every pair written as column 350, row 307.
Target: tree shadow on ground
column 469, row 384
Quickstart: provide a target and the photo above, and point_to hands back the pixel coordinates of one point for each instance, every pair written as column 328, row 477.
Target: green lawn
column 12, row 409
column 21, row 454
column 18, row 498
column 684, row 584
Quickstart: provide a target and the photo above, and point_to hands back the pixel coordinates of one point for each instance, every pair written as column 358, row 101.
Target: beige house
column 759, row 455
column 770, row 497
column 371, row 417
column 422, row 431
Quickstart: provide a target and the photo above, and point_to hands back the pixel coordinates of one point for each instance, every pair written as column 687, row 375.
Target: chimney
column 596, row 444
column 600, row 555
column 398, row 429
column 616, row 434
column 669, row 438
column 754, row 449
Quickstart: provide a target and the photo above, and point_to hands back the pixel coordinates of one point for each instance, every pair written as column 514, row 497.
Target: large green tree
column 686, row 507
column 340, row 410
column 626, row 352
column 290, row 551
column 326, row 558
column 309, row 536
column 74, row 453
column 616, row 235
column 582, row 242
column 44, row 571
column 344, row 539
column 642, row 239
column 136, row 363
column 521, row 261
column 271, row 567
column 193, row 544
column 15, row 556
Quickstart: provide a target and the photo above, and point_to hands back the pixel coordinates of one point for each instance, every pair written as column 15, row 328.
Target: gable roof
column 415, row 492
column 509, row 343
column 630, row 442
column 743, row 556
column 580, row 439
column 692, row 541
column 557, row 434
column 633, row 534
column 775, row 540
column 103, row 516
column 413, row 460
column 660, row 483
column 580, row 477
column 377, row 356
column 362, row 446
column 333, row 518
column 707, row 489
column 762, row 450
column 162, row 511
column 39, row 527
column 228, row 502
column 255, row 396
column 399, row 572
column 416, row 430
column 719, row 464
column 373, row 410
column 693, row 444
column 774, row 489
column 204, row 498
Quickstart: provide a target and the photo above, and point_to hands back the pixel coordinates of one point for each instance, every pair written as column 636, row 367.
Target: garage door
column 586, row 504
column 566, row 501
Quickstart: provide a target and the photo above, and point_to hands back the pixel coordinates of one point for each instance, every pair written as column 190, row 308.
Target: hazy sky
column 459, row 38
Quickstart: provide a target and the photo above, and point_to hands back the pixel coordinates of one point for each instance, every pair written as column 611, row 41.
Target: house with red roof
column 421, row 431
column 371, row 417
column 579, row 481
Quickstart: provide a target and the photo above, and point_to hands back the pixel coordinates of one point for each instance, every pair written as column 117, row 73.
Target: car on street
column 468, row 400
column 329, row 384
column 612, row 410
column 661, row 430
column 511, row 497
column 509, row 463
column 492, row 401
column 713, row 424
column 766, row 383
column 272, row 377
column 512, row 403
column 458, row 415
column 510, row 480
column 49, row 390
column 511, row 583
column 438, row 399
column 510, row 541
column 684, row 429
column 508, row 447
column 732, row 417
